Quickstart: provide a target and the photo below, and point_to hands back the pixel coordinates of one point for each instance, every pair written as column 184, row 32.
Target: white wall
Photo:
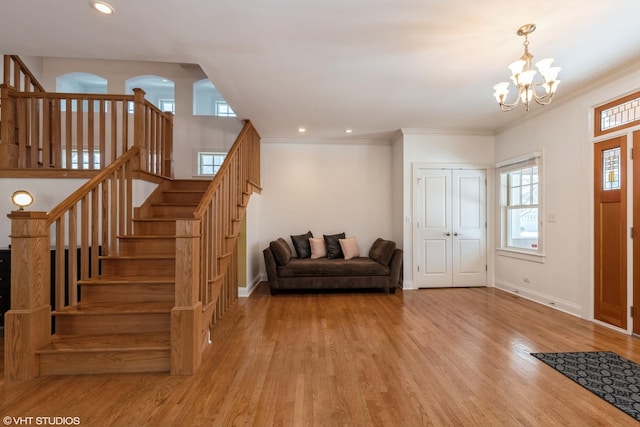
column 439, row 147
column 327, row 188
column 563, row 131
column 255, row 262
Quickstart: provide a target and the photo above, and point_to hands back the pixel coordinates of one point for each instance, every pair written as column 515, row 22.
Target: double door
column 451, row 230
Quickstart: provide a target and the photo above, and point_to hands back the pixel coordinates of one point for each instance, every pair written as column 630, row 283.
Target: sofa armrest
column 270, row 265
column 395, row 266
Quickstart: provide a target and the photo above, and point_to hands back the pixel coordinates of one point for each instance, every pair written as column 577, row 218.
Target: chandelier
column 523, row 77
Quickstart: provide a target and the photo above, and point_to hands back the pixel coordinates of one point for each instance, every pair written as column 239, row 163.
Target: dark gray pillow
column 382, row 251
column 281, row 251
column 301, row 245
column 334, row 250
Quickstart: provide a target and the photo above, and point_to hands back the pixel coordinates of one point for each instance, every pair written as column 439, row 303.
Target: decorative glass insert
column 620, row 114
column 611, row 169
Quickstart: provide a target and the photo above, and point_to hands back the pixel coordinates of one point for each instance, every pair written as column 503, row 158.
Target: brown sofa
column 381, row 269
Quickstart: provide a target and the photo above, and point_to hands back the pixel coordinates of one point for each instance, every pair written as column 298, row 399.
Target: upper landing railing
column 64, row 131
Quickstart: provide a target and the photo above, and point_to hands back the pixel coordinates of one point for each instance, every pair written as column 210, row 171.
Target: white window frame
column 502, row 170
column 167, row 102
column 223, row 105
column 223, row 155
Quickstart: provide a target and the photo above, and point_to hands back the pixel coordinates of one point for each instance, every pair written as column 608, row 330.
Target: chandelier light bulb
column 524, row 78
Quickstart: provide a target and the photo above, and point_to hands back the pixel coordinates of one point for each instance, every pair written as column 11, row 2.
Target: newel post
column 139, row 136
column 28, row 322
column 186, row 315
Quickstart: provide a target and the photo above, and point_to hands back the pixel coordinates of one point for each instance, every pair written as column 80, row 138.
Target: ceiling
column 373, row 66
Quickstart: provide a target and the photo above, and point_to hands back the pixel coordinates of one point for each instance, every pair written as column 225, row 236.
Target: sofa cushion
column 318, row 248
column 301, row 244
column 324, row 267
column 334, row 250
column 281, row 251
column 349, row 247
column 382, row 250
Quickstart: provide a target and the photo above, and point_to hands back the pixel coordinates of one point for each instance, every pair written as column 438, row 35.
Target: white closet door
column 469, row 228
column 450, row 239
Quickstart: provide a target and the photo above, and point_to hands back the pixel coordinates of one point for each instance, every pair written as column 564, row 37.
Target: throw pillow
column 349, row 247
column 318, row 248
column 333, row 245
column 301, row 244
column 382, row 251
column 281, row 251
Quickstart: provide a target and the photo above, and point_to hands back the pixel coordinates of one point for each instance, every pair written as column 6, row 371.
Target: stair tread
column 150, row 236
column 117, row 280
column 107, row 342
column 164, row 219
column 136, row 256
column 116, row 308
column 153, row 219
column 177, row 204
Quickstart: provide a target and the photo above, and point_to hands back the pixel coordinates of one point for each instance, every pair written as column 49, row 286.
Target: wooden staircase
column 122, row 322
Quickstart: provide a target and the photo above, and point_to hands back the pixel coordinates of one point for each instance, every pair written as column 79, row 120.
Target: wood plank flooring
column 437, row 357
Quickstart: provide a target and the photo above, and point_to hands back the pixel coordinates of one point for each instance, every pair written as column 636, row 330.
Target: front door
column 610, row 243
column 450, row 218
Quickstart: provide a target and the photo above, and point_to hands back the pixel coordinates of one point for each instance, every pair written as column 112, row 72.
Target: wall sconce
column 21, row 198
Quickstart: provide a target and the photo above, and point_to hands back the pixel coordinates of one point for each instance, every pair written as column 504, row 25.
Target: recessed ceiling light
column 302, row 130
column 103, row 7
column 348, row 131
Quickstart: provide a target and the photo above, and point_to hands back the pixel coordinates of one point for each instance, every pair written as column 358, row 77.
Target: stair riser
column 133, row 292
column 172, row 211
column 154, row 228
column 104, row 362
column 138, row 267
column 190, row 185
column 99, row 324
column 151, row 246
column 173, row 197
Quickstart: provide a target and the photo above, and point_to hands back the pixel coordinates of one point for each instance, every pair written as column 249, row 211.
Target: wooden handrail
column 206, row 266
column 55, row 213
column 219, row 176
column 84, row 131
column 23, row 78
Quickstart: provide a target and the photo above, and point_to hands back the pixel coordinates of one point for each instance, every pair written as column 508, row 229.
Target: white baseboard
column 541, row 298
column 246, row 291
column 407, row 285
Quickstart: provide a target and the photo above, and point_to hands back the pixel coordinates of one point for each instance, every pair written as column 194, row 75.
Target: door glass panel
column 611, row 169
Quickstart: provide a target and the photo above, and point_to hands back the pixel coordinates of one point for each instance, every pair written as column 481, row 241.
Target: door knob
column 446, row 233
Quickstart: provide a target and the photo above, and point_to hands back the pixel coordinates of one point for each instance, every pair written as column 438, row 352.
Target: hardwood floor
column 456, row 357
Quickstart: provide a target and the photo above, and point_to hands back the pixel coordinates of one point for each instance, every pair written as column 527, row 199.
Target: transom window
column 209, row 163
column 520, row 205
column 619, row 114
